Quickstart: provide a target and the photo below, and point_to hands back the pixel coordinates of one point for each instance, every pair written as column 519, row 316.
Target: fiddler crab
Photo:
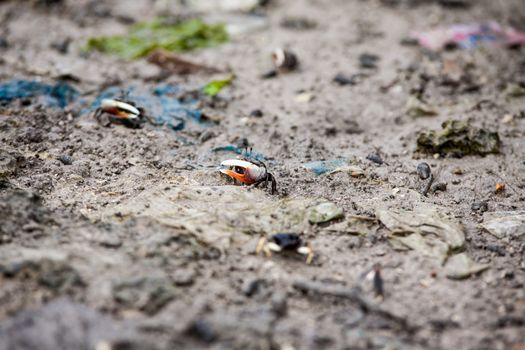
column 285, row 242
column 249, row 172
column 119, row 111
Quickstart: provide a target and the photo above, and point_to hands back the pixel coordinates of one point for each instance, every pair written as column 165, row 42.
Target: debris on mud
column 219, row 216
column 298, row 23
column 214, row 87
column 325, row 212
column 458, row 139
column 424, row 230
column 342, row 79
column 58, row 95
column 468, row 36
column 500, row 188
column 505, row 224
column 174, row 64
column 461, row 266
column 325, row 166
column 143, row 38
column 63, row 324
column 417, row 108
column 225, row 5
column 334, row 166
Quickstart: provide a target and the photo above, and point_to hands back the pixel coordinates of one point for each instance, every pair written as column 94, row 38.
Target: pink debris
column 469, row 36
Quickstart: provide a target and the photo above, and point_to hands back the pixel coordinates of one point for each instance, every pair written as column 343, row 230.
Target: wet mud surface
column 120, row 238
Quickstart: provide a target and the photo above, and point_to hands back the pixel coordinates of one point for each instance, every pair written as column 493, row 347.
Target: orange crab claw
column 239, row 177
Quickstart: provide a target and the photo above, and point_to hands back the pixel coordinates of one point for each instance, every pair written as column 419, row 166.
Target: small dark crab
column 120, row 112
column 249, row 172
column 285, row 242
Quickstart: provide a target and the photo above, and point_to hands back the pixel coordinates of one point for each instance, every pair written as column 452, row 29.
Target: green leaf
column 147, row 36
column 215, row 86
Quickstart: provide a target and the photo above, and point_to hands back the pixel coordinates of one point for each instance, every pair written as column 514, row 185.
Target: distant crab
column 249, row 172
column 285, row 242
column 119, row 111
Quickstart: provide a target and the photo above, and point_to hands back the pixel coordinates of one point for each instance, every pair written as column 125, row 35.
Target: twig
column 354, row 295
column 425, row 190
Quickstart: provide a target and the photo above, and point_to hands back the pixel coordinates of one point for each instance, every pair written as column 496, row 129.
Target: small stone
column 374, row 157
column 256, row 113
column 325, row 212
column 251, row 286
column 202, row 330
column 65, row 159
column 423, row 170
column 457, row 171
column 367, row 60
column 184, row 277
column 481, row 206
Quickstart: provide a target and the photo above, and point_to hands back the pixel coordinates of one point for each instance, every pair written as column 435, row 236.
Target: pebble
column 65, row 159
column 374, row 157
column 184, row 277
column 481, row 206
column 423, row 170
column 256, row 113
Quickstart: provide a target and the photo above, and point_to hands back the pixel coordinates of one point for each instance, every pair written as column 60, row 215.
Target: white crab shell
column 255, row 172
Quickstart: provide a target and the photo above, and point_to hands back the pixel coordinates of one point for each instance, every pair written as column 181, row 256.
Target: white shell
column 279, row 57
column 126, row 107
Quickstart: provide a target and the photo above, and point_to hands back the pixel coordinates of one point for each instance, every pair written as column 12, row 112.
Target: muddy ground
column 140, row 243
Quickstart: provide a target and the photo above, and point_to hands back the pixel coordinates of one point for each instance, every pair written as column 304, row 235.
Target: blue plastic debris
column 159, row 104
column 245, row 153
column 324, row 166
column 59, row 95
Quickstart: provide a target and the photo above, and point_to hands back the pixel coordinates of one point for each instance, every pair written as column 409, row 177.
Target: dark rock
column 374, row 157
column 367, row 60
column 65, row 159
column 458, row 139
column 481, row 206
column 256, row 113
column 203, row 331
column 423, row 170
